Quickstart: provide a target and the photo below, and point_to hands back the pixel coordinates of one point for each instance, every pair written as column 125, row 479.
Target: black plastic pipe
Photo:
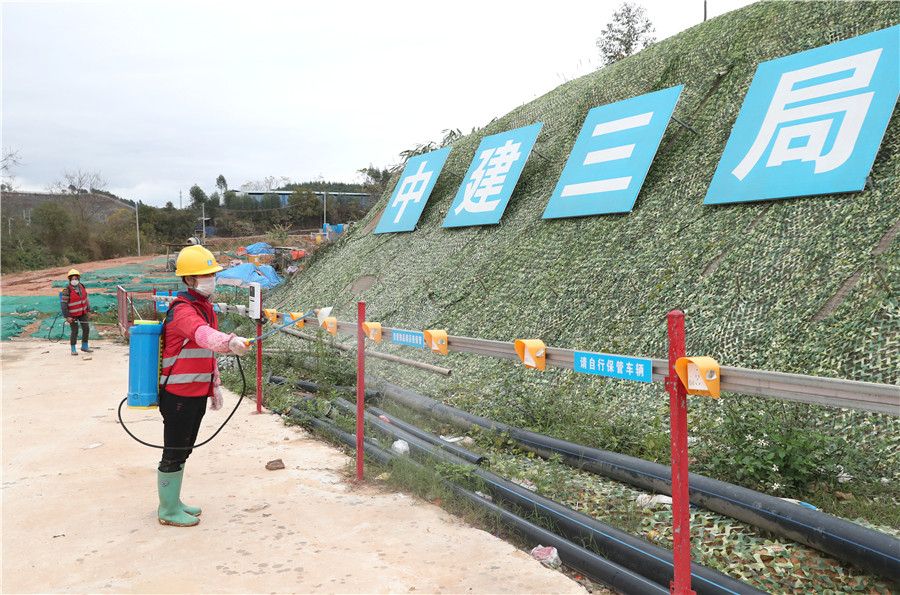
column 585, row 561
column 865, row 548
column 621, row 548
column 314, row 387
column 382, row 417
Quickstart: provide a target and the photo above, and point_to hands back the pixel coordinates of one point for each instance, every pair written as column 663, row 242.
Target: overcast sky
column 157, row 96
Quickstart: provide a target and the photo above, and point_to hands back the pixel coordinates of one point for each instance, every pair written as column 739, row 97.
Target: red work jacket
column 187, row 368
column 74, row 301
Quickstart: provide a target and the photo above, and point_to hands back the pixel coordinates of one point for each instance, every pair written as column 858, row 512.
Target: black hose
column 868, row 549
column 585, row 561
column 230, row 415
column 374, row 417
column 622, row 548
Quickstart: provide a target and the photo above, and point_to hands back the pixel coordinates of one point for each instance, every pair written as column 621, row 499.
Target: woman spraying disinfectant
column 76, row 307
column 189, row 376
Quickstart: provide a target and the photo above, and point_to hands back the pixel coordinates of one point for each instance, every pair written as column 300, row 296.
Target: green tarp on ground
column 11, row 326
column 49, row 304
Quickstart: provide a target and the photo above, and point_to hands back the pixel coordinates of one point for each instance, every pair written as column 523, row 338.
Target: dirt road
column 79, row 503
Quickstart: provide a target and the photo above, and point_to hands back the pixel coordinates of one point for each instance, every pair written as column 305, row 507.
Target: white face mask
column 74, row 282
column 205, row 286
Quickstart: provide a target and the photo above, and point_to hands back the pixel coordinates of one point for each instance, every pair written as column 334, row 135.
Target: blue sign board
column 411, row 338
column 412, row 191
column 489, row 183
column 614, row 366
column 163, row 306
column 611, row 156
column 811, row 122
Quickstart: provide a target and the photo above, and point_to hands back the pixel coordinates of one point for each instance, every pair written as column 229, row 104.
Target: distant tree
column 78, row 187
column 10, row 160
column 221, row 184
column 270, row 201
column 78, row 182
column 212, row 205
column 375, row 180
column 629, row 32
column 198, row 196
column 53, row 224
column 305, row 208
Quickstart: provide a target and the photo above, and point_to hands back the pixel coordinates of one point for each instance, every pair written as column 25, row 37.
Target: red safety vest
column 78, row 301
column 187, row 368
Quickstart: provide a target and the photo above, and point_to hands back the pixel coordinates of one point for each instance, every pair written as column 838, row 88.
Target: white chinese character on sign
column 488, row 179
column 412, row 190
column 629, row 368
column 592, row 364
column 619, row 367
column 801, row 130
column 584, row 361
column 639, row 368
column 610, row 366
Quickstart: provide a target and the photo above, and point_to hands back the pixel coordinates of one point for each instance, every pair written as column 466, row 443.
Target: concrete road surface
column 79, row 502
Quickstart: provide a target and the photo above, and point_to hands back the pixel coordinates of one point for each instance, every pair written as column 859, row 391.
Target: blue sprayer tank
column 143, row 365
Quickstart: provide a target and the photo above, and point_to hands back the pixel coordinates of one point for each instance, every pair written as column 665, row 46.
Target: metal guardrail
column 815, row 390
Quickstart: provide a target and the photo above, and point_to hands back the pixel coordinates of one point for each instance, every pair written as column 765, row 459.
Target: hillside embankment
column 806, row 285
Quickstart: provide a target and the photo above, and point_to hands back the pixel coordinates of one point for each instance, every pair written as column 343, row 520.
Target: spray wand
column 321, row 313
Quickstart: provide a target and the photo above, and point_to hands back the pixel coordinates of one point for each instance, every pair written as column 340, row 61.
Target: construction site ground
column 79, row 498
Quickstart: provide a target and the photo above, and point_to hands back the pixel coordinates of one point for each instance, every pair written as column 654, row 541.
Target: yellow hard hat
column 196, row 260
column 73, row 272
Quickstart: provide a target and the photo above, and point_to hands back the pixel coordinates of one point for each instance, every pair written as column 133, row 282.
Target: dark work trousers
column 85, row 328
column 181, row 424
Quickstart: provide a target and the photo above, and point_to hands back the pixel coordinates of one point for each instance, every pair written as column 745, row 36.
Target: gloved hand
column 216, row 399
column 238, row 345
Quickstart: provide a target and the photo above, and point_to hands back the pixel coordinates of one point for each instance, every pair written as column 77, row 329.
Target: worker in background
column 76, row 307
column 189, row 376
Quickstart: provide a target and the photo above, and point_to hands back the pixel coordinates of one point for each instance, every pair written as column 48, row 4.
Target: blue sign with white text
column 485, row 191
column 614, row 366
column 411, row 338
column 611, row 156
column 412, row 192
column 811, row 122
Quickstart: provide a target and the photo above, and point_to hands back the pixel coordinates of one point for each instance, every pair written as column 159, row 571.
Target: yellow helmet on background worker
column 196, row 260
column 73, row 272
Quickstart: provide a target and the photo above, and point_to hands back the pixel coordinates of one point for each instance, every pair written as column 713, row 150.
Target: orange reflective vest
column 75, row 300
column 187, row 368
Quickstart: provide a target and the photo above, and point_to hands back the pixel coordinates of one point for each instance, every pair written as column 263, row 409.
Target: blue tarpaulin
column 250, row 273
column 260, row 248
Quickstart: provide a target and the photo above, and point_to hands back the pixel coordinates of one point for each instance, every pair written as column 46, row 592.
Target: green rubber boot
column 191, row 510
column 170, row 511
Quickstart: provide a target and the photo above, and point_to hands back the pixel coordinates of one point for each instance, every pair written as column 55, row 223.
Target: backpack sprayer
column 145, row 365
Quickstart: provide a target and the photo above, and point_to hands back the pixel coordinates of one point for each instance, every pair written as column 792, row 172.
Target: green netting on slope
column 49, row 304
column 113, row 282
column 56, row 329
column 751, row 278
column 11, row 326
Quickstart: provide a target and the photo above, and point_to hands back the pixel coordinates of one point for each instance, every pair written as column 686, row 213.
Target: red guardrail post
column 360, row 386
column 681, row 517
column 258, row 368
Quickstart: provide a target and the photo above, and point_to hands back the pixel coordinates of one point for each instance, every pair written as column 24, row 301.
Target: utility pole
column 137, row 223
column 324, row 210
column 179, row 200
column 203, row 221
column 704, row 11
